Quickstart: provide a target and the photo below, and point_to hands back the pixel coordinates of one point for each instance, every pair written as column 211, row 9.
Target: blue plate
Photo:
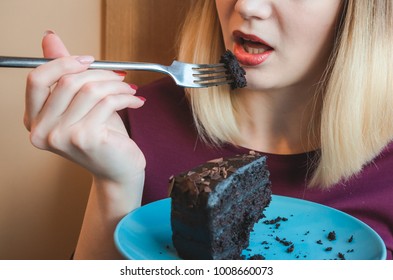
column 301, row 234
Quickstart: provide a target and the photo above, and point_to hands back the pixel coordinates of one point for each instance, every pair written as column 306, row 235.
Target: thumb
column 53, row 46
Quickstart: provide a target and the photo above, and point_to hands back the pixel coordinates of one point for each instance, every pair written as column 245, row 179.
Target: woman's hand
column 71, row 111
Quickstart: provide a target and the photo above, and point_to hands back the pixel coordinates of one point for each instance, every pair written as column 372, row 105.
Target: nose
column 258, row 9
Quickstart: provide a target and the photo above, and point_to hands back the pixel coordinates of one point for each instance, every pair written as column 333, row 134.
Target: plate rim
column 117, row 240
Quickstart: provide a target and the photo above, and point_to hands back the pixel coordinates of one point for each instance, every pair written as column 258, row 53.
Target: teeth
column 251, row 50
column 252, row 47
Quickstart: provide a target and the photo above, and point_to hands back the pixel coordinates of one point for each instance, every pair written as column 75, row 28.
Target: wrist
column 123, row 196
column 108, row 203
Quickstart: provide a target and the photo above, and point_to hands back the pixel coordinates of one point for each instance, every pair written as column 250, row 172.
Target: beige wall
column 42, row 197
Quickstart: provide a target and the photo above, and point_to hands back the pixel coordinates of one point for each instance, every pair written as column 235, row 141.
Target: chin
column 259, row 82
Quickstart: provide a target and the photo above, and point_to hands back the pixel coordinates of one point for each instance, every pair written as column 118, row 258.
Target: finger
column 92, row 94
column 110, row 105
column 53, row 46
column 69, row 87
column 41, row 79
column 103, row 121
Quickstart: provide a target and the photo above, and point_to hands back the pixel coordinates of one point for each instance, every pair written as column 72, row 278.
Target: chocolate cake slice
column 215, row 206
column 235, row 71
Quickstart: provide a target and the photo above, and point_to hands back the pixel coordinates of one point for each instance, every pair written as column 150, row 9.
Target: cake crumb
column 331, row 236
column 257, row 257
column 290, row 249
column 341, row 256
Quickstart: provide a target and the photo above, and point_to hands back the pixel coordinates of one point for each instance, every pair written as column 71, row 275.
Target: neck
column 277, row 121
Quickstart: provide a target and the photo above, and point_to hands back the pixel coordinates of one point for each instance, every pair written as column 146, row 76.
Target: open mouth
column 251, row 50
column 251, row 43
column 253, row 47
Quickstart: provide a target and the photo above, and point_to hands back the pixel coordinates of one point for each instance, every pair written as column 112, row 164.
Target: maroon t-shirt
column 163, row 128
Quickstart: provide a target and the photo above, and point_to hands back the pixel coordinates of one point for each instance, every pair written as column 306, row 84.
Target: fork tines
column 207, row 75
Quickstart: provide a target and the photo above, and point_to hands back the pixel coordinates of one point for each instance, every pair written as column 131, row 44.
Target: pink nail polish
column 135, row 87
column 86, row 59
column 48, row 32
column 141, row 98
column 120, row 73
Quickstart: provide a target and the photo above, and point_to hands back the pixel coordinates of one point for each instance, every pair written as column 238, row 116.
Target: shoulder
column 166, row 109
column 384, row 159
column 388, row 150
column 162, row 89
column 161, row 96
column 164, row 101
column 378, row 172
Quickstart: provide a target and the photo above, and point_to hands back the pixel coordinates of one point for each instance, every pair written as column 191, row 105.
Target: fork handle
column 33, row 62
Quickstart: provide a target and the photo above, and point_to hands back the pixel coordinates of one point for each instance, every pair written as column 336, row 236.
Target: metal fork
column 184, row 74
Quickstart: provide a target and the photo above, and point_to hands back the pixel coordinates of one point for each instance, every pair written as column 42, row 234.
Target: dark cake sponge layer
column 215, row 206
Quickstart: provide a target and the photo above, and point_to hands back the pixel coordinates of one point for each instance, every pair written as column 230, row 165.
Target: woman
column 318, row 103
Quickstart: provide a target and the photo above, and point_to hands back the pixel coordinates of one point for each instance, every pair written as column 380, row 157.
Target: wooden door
column 142, row 31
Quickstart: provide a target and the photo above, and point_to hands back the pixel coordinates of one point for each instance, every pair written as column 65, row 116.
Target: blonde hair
column 201, row 42
column 355, row 115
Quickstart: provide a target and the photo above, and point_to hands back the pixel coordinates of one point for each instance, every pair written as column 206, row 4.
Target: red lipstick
column 250, row 50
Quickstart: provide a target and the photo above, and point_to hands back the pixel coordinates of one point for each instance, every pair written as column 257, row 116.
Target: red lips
column 250, row 50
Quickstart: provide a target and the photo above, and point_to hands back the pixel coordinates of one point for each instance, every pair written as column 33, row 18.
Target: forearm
column 108, row 203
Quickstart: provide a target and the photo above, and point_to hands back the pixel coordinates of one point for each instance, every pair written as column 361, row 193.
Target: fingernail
column 135, row 87
column 86, row 59
column 120, row 73
column 141, row 98
column 47, row 32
